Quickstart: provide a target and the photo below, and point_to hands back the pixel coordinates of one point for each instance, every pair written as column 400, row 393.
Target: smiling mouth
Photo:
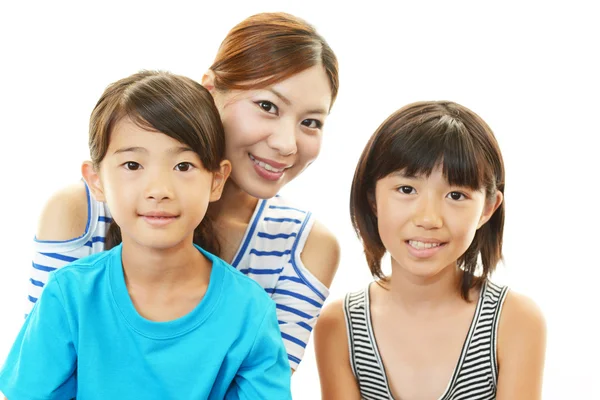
column 266, row 166
column 424, row 245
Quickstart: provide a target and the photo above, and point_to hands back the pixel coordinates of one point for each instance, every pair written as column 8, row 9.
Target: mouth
column 268, row 169
column 269, row 165
column 159, row 218
column 423, row 245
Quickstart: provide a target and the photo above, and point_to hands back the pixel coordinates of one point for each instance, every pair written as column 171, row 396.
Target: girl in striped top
column 428, row 190
column 274, row 80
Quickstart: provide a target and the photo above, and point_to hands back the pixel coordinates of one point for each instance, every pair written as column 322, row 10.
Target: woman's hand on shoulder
column 321, row 254
column 521, row 349
column 64, row 216
column 332, row 354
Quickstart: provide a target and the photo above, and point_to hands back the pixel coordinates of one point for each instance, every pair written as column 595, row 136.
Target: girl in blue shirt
column 157, row 316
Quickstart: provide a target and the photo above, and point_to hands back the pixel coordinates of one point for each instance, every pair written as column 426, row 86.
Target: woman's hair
column 171, row 104
column 416, row 139
column 267, row 48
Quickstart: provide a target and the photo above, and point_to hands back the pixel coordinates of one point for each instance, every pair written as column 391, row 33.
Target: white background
column 530, row 70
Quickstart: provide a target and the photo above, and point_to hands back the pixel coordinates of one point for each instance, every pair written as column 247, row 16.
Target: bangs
column 443, row 141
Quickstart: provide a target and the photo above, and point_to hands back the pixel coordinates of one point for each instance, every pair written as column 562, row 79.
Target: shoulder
column 331, row 337
column 65, row 214
column 240, row 286
column 522, row 325
column 321, row 254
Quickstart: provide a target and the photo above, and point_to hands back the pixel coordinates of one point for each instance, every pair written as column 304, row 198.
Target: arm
column 41, row 363
column 321, row 254
column 63, row 219
column 333, row 357
column 265, row 372
column 521, row 349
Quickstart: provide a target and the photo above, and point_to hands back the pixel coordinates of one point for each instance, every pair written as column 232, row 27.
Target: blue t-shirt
column 85, row 339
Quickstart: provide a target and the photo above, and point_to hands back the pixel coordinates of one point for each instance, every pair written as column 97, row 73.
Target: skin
column 419, row 319
column 282, row 123
column 148, row 178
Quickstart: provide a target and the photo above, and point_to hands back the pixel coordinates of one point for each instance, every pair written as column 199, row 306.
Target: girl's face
column 425, row 223
column 155, row 186
column 273, row 134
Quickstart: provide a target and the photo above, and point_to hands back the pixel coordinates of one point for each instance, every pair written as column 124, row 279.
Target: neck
column 163, row 267
column 235, row 203
column 418, row 294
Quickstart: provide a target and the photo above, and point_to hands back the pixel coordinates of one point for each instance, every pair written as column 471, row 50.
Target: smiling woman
column 274, row 81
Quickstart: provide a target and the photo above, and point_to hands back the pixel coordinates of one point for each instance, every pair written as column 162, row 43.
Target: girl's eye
column 312, row 123
column 267, row 106
column 407, row 189
column 184, row 166
column 132, row 165
column 457, row 196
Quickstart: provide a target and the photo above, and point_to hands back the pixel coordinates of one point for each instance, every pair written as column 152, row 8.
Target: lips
column 159, row 218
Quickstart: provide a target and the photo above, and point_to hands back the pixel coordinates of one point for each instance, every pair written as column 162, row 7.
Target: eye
column 132, row 165
column 268, row 107
column 458, row 196
column 407, row 189
column 312, row 123
column 184, row 166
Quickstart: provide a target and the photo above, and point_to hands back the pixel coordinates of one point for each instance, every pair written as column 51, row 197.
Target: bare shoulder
column 521, row 349
column 519, row 314
column 333, row 355
column 321, row 254
column 64, row 216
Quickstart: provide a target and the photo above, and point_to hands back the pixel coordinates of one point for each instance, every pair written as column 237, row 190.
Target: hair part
column 170, row 104
column 268, row 48
column 415, row 140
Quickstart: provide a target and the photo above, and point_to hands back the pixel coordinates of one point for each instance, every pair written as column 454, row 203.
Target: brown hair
column 171, row 104
column 269, row 47
column 416, row 139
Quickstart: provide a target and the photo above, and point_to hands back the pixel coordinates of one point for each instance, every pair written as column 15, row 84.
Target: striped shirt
column 476, row 373
column 269, row 253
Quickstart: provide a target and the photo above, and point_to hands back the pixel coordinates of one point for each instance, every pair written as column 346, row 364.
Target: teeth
column 266, row 166
column 422, row 245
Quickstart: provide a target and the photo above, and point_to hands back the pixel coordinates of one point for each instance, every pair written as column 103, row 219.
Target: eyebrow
column 138, row 149
column 289, row 103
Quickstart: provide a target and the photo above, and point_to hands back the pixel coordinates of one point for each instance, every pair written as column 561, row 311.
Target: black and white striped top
column 476, row 373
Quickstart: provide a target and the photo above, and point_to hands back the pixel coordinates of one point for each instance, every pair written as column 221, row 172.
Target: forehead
column 126, row 133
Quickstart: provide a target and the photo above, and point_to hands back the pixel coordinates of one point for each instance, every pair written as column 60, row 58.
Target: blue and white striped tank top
column 476, row 373
column 269, row 254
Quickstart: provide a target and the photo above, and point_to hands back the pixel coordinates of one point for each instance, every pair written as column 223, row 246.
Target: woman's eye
column 132, row 165
column 457, row 196
column 407, row 189
column 184, row 166
column 312, row 123
column 267, row 106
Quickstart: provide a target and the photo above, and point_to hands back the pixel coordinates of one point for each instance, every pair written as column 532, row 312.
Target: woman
column 274, row 80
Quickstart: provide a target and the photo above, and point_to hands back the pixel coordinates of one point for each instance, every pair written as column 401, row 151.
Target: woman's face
column 272, row 134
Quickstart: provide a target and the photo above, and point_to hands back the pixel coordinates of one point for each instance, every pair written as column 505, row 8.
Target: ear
column 208, row 80
column 219, row 179
column 490, row 208
column 91, row 177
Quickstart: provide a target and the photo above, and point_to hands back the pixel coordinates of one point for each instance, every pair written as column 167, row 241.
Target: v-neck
column 249, row 233
column 463, row 351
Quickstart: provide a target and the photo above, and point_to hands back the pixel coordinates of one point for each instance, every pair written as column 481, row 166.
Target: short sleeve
column 42, row 361
column 265, row 373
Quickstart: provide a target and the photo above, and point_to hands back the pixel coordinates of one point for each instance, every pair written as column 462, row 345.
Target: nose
column 284, row 139
column 159, row 186
column 428, row 213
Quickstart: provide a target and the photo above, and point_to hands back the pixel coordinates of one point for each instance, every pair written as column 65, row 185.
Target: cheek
column 309, row 147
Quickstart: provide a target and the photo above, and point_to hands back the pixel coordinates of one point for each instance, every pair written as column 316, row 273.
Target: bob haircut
column 416, row 139
column 170, row 104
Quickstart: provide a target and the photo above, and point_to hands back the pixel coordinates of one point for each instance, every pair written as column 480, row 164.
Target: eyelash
column 129, row 164
column 269, row 104
column 464, row 196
